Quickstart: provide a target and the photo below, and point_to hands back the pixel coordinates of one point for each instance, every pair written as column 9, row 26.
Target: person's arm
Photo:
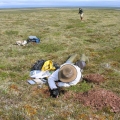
column 52, row 79
column 54, row 90
column 62, row 84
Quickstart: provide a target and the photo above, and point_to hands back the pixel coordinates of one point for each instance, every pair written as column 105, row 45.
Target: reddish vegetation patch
column 40, row 91
column 95, row 78
column 97, row 98
column 14, row 87
column 46, row 92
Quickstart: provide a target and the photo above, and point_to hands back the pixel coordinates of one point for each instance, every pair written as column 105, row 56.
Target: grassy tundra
column 61, row 33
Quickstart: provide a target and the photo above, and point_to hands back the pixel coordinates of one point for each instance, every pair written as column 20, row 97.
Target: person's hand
column 57, row 84
column 55, row 93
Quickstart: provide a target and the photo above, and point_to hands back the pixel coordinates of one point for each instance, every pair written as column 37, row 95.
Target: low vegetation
column 62, row 33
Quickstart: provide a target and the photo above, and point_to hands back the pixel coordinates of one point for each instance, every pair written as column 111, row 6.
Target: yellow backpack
column 48, row 65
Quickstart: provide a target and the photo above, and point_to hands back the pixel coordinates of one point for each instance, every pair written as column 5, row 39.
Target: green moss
column 81, row 87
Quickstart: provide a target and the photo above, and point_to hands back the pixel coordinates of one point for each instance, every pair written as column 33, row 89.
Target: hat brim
column 68, row 79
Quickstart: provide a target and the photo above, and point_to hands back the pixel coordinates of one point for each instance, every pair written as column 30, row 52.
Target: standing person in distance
column 81, row 13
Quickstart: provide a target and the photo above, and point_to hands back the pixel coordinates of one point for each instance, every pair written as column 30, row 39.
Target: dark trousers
column 80, row 64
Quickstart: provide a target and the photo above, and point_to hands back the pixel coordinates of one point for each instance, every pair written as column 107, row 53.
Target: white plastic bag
column 39, row 74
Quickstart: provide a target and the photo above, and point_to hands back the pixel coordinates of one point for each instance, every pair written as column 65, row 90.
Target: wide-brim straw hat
column 67, row 73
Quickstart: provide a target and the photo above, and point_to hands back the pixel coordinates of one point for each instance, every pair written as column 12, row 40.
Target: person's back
column 80, row 11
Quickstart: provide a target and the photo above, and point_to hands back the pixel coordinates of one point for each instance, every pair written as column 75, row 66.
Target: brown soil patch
column 95, row 78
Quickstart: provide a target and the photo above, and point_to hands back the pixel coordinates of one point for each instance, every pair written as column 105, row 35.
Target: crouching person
column 67, row 75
